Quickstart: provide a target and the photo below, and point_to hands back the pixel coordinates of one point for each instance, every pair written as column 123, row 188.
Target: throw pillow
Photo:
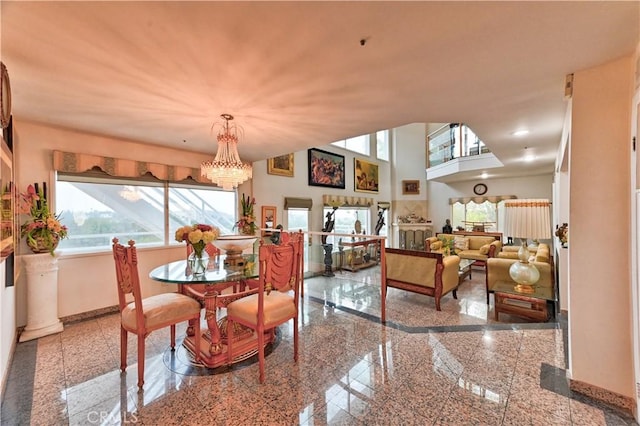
column 485, row 249
column 461, row 243
column 436, row 246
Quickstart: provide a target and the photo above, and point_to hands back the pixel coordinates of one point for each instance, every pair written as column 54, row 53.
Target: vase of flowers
column 247, row 223
column 43, row 230
column 197, row 236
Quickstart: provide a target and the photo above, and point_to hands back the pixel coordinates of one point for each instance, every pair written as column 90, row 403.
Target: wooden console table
column 532, row 306
column 352, row 264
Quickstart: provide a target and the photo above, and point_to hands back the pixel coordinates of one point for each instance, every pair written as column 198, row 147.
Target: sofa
column 420, row 272
column 475, row 247
column 541, row 253
column 498, row 269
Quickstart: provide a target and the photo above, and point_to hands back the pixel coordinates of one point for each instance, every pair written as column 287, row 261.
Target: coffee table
column 464, row 269
column 528, row 305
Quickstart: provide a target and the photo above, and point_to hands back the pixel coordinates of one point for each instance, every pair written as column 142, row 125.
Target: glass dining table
column 220, row 285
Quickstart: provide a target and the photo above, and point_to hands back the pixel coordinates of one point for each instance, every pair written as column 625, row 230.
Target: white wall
column 8, row 326
column 271, row 190
column 600, row 286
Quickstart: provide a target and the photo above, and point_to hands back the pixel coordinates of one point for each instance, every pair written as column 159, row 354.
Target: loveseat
column 475, row 247
column 417, row 271
column 498, row 269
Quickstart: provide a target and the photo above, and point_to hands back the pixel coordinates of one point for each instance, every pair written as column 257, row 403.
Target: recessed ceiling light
column 520, row 132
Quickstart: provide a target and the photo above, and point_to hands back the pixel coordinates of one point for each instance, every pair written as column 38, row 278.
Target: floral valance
column 480, row 200
column 71, row 162
column 344, row 201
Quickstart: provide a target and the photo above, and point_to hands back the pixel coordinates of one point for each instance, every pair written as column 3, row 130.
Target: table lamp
column 524, row 219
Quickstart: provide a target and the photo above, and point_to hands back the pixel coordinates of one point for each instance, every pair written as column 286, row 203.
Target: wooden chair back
column 281, row 264
column 127, row 278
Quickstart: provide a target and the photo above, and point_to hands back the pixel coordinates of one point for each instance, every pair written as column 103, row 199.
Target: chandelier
column 227, row 170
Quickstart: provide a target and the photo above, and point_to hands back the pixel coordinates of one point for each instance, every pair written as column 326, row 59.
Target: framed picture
column 326, row 169
column 281, row 165
column 365, row 176
column 410, row 187
column 268, row 219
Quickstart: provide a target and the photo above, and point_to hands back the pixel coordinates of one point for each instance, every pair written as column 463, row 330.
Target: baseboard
column 90, row 314
column 611, row 398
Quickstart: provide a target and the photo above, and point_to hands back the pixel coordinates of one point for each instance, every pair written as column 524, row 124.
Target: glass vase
column 198, row 263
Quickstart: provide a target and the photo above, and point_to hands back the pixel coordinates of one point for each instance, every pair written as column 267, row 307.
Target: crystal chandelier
column 227, row 170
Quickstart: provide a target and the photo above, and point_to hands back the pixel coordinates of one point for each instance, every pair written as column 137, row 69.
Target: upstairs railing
column 453, row 141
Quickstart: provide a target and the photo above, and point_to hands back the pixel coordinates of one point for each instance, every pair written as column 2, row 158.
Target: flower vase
column 198, row 262
column 40, row 243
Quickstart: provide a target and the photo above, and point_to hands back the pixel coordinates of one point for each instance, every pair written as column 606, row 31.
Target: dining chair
column 141, row 315
column 276, row 299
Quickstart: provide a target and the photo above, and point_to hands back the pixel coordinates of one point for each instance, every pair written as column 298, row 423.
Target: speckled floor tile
column 457, row 366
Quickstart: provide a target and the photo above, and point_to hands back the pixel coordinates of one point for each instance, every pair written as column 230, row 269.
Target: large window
column 359, row 144
column 464, row 215
column 345, row 222
column 382, row 145
column 97, row 209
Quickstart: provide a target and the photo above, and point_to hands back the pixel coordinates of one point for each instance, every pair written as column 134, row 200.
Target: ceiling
column 302, row 74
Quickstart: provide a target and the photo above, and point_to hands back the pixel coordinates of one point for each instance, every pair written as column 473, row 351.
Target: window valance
column 344, row 201
column 480, row 200
column 297, row 203
column 71, row 162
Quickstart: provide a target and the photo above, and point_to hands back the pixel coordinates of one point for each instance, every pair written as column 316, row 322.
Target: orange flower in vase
column 43, row 230
column 247, row 223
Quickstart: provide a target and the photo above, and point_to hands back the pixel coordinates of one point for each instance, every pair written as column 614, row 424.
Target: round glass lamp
column 525, row 274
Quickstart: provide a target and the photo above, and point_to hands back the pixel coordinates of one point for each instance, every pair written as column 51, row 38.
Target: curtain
column 528, row 218
column 480, row 200
column 297, row 203
column 71, row 162
column 344, row 201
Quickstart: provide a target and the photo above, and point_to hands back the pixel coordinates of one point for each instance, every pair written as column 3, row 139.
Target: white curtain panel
column 528, row 218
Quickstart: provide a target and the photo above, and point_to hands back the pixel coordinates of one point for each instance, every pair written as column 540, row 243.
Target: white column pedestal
column 42, row 296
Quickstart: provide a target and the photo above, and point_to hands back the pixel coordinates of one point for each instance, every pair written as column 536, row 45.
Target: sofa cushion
column 436, row 245
column 476, row 242
column 471, row 254
column 484, row 249
column 461, row 243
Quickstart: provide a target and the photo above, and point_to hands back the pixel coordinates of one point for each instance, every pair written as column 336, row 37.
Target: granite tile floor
column 423, row 367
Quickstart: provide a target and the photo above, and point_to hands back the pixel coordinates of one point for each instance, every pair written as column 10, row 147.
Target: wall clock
column 480, row 189
column 5, row 97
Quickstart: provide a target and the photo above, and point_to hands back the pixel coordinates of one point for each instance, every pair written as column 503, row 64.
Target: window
column 345, row 220
column 359, row 144
column 96, row 209
column 298, row 218
column 464, row 214
column 382, row 145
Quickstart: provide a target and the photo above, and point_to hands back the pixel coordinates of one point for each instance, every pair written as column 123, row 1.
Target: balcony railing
column 453, row 141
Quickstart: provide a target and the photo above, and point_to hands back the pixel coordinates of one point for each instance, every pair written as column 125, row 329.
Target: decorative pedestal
column 328, row 261
column 42, row 296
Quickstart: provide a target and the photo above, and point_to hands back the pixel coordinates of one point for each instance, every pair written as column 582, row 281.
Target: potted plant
column 42, row 230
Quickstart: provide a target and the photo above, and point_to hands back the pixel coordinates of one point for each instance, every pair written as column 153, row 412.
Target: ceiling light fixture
column 227, row 170
column 519, row 133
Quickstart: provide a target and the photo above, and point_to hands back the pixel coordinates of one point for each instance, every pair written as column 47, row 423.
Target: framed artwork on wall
column 7, row 203
column 410, row 187
column 282, row 165
column 268, row 219
column 326, row 169
column 365, row 176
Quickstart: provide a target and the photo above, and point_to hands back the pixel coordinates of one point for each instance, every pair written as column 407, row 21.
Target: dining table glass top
column 177, row 272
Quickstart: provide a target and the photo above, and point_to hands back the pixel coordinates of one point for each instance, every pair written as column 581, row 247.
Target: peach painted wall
column 600, row 228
